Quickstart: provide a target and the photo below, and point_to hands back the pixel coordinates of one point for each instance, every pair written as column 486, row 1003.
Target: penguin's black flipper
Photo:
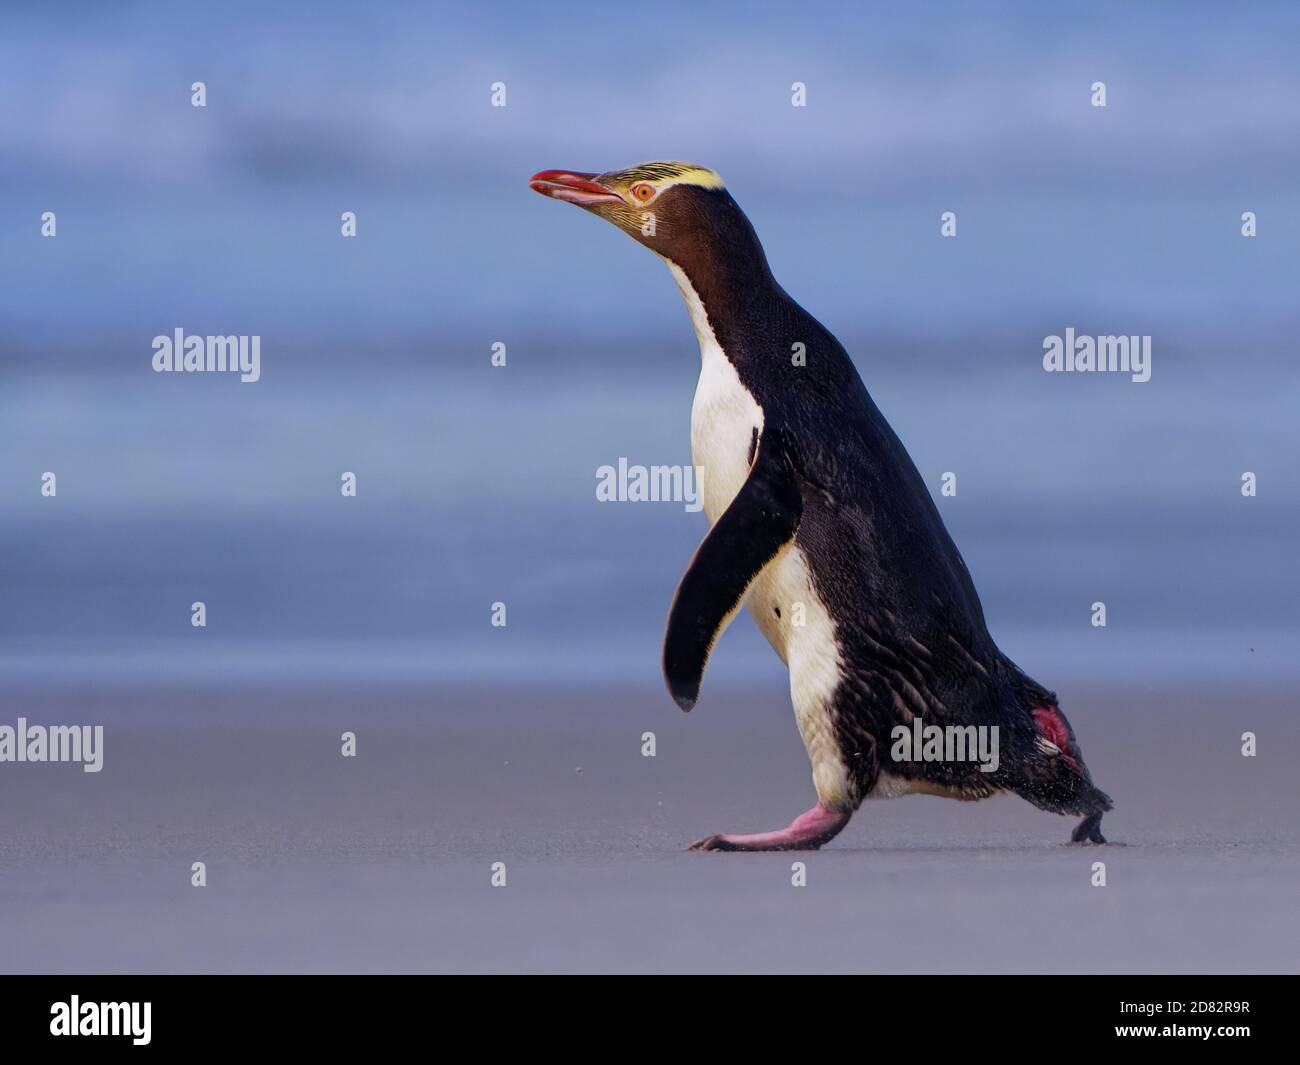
column 760, row 521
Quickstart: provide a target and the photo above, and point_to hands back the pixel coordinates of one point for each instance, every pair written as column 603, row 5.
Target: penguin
column 820, row 524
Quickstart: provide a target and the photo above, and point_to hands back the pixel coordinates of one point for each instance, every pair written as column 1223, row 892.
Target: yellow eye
column 643, row 192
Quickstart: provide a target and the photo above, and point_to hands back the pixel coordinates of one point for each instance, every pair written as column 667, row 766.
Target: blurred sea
column 476, row 484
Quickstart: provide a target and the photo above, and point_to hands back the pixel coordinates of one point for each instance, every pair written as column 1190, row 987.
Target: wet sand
column 383, row 862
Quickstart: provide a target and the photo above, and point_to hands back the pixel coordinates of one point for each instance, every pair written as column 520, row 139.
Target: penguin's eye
column 643, row 192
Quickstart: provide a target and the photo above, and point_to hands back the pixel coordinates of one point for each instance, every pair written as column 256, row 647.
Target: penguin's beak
column 573, row 187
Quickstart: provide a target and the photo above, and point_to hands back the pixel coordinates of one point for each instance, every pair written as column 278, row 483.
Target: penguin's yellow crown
column 670, row 172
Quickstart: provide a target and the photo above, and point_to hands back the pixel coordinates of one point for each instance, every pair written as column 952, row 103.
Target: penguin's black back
column 911, row 629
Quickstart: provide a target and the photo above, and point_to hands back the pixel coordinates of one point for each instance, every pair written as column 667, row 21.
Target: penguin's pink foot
column 806, row 832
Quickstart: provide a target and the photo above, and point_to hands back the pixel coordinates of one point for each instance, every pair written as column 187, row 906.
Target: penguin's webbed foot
column 1088, row 830
column 806, row 832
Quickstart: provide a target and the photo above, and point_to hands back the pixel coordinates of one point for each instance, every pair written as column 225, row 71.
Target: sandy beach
column 383, row 862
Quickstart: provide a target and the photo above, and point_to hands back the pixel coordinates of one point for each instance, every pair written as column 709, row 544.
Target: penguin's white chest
column 726, row 422
column 726, row 419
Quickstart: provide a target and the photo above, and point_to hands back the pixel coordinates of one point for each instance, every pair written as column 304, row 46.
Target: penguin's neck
column 722, row 294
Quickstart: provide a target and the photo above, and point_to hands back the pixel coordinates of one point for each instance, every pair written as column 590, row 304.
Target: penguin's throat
column 713, row 307
column 695, row 308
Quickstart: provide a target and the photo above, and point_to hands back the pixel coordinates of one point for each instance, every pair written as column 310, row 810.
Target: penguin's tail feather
column 1048, row 769
column 1064, row 792
column 1053, row 775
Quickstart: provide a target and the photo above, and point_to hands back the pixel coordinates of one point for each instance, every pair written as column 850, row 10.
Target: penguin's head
column 678, row 210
